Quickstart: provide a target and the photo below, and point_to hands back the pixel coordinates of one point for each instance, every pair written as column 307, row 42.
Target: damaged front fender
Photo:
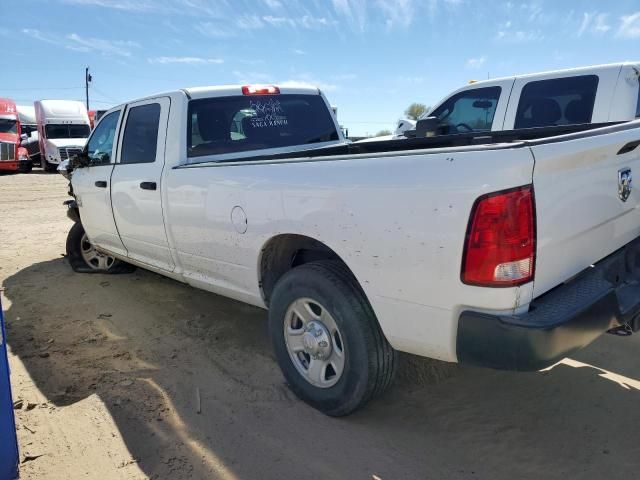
column 72, row 210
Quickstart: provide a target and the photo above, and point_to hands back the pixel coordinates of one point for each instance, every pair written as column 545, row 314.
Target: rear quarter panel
column 398, row 222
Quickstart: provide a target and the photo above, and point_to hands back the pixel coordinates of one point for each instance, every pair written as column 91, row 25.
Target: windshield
column 67, row 131
column 241, row 123
column 8, row 126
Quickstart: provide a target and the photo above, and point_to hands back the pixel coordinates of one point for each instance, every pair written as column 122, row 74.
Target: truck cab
column 595, row 94
column 13, row 157
column 63, row 127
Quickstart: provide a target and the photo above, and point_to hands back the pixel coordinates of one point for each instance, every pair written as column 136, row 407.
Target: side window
column 100, row 144
column 140, row 138
column 558, row 101
column 468, row 111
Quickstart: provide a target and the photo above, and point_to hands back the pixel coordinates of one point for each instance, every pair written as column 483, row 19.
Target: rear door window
column 224, row 125
column 140, row 140
column 558, row 101
column 468, row 111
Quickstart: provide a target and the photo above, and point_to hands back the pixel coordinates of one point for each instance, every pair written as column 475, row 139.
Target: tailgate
column 581, row 214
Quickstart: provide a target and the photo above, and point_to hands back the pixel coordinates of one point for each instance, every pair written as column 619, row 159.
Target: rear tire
column 26, row 168
column 83, row 257
column 336, row 309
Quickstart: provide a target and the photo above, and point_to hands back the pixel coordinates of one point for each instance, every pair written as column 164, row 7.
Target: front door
column 91, row 185
column 136, row 187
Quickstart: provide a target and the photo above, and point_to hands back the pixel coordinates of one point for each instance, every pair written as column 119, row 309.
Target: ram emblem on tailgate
column 624, row 183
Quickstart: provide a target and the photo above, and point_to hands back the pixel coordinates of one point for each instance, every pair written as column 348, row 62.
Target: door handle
column 148, row 185
column 101, row 184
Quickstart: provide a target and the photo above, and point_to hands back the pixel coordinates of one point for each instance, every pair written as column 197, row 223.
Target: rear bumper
column 558, row 323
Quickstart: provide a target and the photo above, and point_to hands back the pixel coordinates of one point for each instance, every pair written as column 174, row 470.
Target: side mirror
column 65, row 169
column 80, row 160
column 24, row 137
column 426, row 127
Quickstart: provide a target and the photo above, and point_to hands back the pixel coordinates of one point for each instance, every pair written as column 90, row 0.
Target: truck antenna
column 87, row 81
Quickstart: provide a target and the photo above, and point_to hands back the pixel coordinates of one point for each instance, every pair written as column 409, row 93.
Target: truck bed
column 496, row 139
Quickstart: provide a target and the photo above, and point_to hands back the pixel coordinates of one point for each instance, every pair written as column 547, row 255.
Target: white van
column 63, row 127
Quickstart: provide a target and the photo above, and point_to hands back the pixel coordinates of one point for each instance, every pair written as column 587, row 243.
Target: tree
column 382, row 133
column 415, row 110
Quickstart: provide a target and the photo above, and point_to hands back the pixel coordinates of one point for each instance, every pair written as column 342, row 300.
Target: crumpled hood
column 67, row 142
column 9, row 137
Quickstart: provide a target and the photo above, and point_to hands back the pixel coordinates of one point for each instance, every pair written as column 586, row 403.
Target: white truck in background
column 479, row 248
column 593, row 94
column 63, row 127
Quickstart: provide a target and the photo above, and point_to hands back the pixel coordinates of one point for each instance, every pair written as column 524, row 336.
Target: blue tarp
column 8, row 441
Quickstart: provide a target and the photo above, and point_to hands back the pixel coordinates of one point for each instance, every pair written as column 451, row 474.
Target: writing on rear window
column 267, row 114
column 223, row 125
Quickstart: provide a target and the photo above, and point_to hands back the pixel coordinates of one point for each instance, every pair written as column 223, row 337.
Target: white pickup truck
column 594, row 94
column 483, row 249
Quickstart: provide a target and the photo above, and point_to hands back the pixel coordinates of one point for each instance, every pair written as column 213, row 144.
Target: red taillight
column 501, row 239
column 260, row 90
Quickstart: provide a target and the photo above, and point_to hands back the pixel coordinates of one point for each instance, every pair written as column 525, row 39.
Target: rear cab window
column 227, row 125
column 468, row 111
column 557, row 101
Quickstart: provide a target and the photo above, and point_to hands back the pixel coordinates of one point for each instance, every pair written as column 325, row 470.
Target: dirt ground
column 109, row 370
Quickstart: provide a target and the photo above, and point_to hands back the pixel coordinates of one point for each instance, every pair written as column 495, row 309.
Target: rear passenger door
column 136, row 187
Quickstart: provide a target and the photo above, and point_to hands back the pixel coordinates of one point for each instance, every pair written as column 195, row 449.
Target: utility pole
column 87, row 81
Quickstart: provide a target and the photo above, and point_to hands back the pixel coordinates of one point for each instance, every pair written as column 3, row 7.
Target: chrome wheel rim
column 92, row 257
column 314, row 343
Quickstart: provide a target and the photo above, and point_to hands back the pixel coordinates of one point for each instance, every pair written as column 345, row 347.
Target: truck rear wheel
column 84, row 258
column 25, row 168
column 327, row 340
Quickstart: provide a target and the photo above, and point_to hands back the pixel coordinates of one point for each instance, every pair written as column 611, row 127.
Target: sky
column 370, row 58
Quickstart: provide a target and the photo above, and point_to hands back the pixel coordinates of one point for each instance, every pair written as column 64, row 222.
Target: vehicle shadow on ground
column 35, row 171
column 155, row 351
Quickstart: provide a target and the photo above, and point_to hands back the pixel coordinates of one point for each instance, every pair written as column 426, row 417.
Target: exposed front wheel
column 84, row 258
column 327, row 339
